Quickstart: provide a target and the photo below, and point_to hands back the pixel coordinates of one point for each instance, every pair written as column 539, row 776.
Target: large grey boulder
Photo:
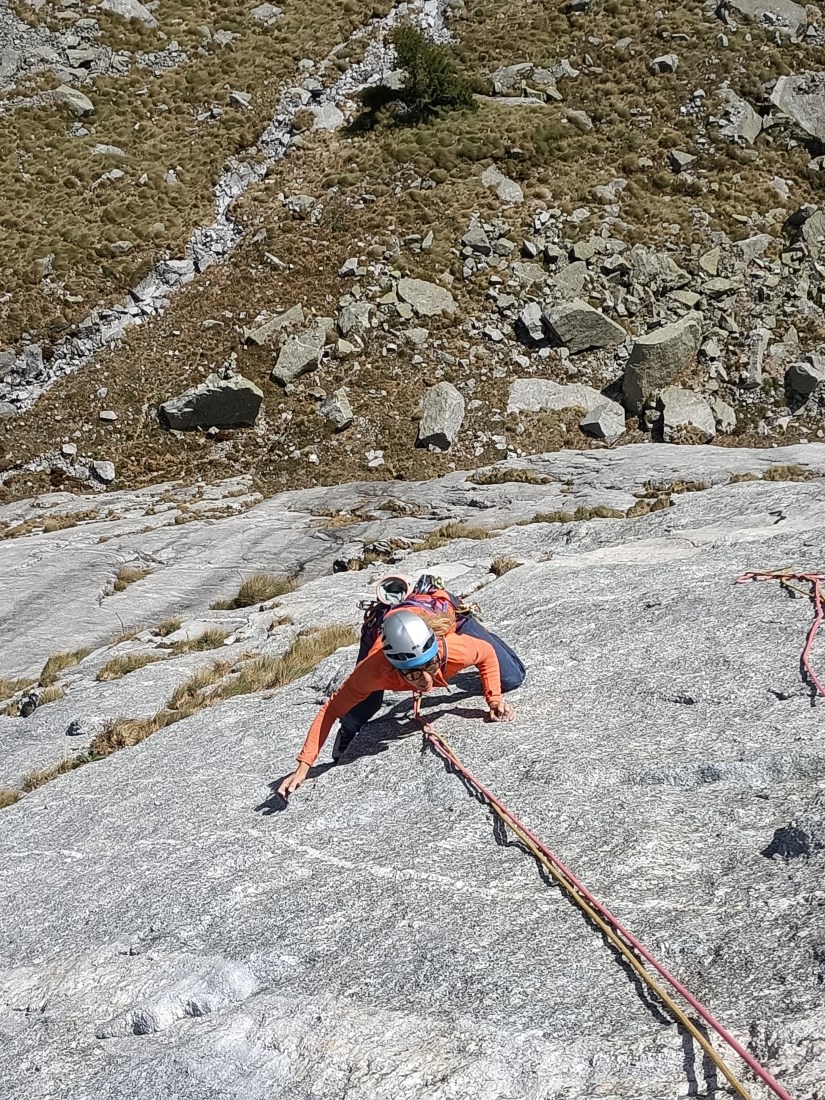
column 684, row 411
column 659, row 357
column 299, row 354
column 216, row 403
column 780, row 15
column 77, row 102
column 443, row 414
column 578, row 327
column 741, row 122
column 544, row 395
column 130, row 9
column 425, row 299
column 802, row 98
column 804, row 377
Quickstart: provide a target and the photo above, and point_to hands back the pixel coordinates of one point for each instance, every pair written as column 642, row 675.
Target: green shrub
column 431, row 80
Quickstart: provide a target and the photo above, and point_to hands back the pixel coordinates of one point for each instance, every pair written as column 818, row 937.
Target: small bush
column 129, row 574
column 431, row 80
column 8, row 797
column 257, row 589
column 122, row 666
column 59, row 663
column 500, row 477
column 11, row 687
column 647, row 505
column 789, row 473
column 51, row 694
column 735, row 479
column 500, row 566
column 38, row 778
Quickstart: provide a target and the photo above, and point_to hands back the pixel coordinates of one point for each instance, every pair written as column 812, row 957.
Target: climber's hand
column 503, row 712
column 293, row 781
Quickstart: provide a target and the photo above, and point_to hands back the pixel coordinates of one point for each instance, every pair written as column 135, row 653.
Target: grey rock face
column 299, row 354
column 337, row 409
column 77, row 102
column 812, row 235
column 578, row 326
column 211, row 940
column 443, row 409
column 682, row 409
column 802, row 98
column 656, row 359
column 782, row 15
column 804, row 377
column 219, row 403
column 426, row 299
column 605, row 421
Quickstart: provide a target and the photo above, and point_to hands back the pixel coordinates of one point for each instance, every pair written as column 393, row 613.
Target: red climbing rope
column 815, row 580
column 573, row 886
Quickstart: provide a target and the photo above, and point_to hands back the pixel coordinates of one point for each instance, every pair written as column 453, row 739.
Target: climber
column 415, row 652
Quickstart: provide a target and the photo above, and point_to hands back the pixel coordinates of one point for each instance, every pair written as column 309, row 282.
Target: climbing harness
column 623, row 940
column 817, row 598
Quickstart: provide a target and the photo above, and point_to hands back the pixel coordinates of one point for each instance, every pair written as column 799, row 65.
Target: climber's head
column 409, row 644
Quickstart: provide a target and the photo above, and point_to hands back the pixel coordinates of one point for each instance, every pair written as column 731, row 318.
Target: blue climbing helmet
column 407, row 640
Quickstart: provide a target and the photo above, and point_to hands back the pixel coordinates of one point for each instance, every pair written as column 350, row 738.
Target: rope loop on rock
column 624, row 941
column 817, row 598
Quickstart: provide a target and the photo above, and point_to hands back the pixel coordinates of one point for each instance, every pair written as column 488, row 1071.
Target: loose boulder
column 578, row 326
column 263, row 333
column 76, row 101
column 506, row 189
column 741, row 123
column 803, row 378
column 425, row 299
column 685, row 412
column 802, row 98
column 130, row 9
column 337, row 410
column 656, row 359
column 543, row 395
column 604, row 421
column 443, row 414
column 299, row 354
column 216, row 403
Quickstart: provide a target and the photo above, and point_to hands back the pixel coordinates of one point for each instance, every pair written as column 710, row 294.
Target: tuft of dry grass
column 521, row 474
column 118, row 667
column 210, row 685
column 8, row 797
column 51, row 694
column 503, row 565
column 735, row 479
column 646, row 505
column 11, row 687
column 455, row 529
column 210, row 639
column 168, row 626
column 58, row 663
column 129, row 574
column 582, row 513
column 256, row 589
column 38, row 778
column 657, row 489
column 789, row 473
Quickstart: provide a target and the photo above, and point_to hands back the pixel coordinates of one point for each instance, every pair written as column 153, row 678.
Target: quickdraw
column 815, row 594
column 623, row 940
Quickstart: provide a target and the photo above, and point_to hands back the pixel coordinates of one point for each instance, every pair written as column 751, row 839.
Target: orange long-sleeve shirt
column 375, row 673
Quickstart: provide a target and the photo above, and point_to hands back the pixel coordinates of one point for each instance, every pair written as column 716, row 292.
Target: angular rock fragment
column 667, row 63
column 741, row 122
column 443, row 414
column 804, row 377
column 781, row 15
column 266, row 14
column 802, row 98
column 130, row 9
column 724, row 414
column 337, row 410
column 263, row 333
column 604, row 421
column 476, row 239
column 529, row 325
column 506, row 189
column 216, row 403
column 103, row 471
column 657, row 358
column 76, row 101
column 544, row 395
column 578, row 326
column 425, row 299
column 299, row 354
column 683, row 410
